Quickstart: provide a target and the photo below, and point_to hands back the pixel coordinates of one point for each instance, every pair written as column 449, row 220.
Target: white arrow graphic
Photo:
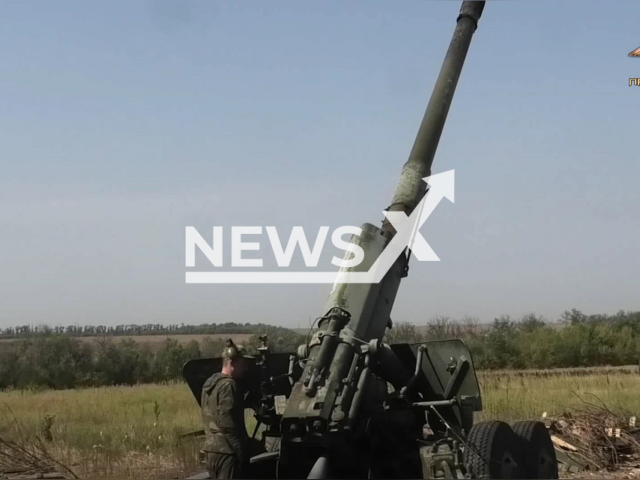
column 407, row 231
column 407, row 235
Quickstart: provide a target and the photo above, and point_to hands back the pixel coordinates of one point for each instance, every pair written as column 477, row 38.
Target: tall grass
column 110, row 431
column 514, row 396
column 128, row 432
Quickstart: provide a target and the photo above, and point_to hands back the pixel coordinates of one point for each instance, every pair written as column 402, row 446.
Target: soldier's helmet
column 233, row 351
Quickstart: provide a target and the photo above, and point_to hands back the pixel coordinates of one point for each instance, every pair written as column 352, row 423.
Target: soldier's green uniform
column 226, row 435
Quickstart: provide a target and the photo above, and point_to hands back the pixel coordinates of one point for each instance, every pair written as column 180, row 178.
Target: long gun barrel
column 346, row 356
column 411, row 187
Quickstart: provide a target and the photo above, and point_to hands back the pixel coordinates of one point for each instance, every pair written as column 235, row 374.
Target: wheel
column 492, row 451
column 537, row 449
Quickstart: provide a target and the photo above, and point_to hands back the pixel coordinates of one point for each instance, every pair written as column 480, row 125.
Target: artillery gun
column 346, row 405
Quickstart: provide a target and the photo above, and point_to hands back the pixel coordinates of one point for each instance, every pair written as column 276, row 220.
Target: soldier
column 227, row 442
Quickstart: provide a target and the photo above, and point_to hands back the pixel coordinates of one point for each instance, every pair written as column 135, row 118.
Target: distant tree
column 192, row 350
column 531, row 322
column 402, row 332
column 573, row 317
column 170, row 359
column 501, row 347
column 117, row 363
column 211, row 348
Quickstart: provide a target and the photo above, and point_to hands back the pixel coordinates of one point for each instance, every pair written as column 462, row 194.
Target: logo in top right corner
column 634, row 81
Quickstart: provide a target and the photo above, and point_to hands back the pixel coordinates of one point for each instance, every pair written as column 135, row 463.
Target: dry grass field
column 126, row 432
column 516, row 395
column 110, row 432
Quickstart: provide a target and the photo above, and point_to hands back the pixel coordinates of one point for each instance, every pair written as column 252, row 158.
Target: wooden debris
column 561, row 443
column 594, row 438
column 29, row 459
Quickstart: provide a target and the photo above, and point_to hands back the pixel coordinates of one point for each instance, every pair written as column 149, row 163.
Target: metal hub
column 509, row 468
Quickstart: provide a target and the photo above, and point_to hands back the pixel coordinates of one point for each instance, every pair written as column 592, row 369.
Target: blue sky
column 123, row 122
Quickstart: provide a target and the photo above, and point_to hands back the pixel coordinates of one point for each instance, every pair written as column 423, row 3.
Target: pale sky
column 121, row 123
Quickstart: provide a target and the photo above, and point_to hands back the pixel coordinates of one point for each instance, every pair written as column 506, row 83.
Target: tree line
column 64, row 361
column 531, row 342
column 27, row 331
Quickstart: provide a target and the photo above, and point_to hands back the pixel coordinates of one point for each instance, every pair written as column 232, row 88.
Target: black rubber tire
column 538, row 453
column 498, row 455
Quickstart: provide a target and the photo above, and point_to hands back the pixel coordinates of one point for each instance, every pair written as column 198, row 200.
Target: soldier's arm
column 227, row 412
